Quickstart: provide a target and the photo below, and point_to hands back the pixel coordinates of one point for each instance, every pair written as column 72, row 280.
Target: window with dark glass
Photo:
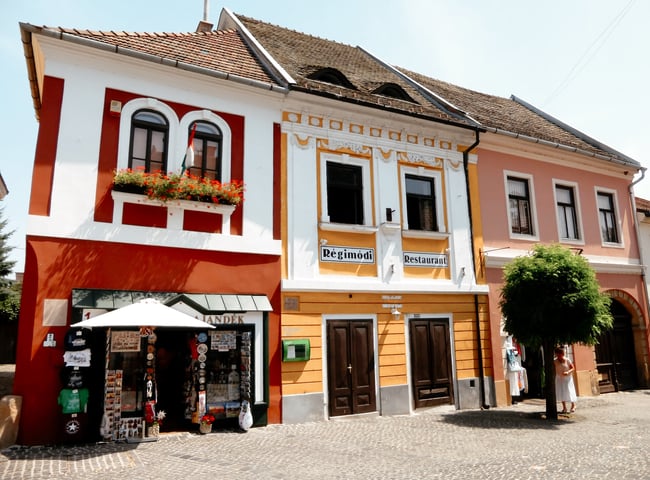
column 344, row 193
column 519, row 202
column 149, row 133
column 207, row 150
column 566, row 213
column 421, row 204
column 607, row 217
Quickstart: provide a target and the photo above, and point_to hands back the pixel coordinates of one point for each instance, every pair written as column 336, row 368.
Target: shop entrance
column 172, row 368
column 615, row 358
column 431, row 362
column 351, row 367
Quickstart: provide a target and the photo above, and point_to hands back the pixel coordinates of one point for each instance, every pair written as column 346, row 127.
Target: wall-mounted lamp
column 395, row 312
column 389, row 214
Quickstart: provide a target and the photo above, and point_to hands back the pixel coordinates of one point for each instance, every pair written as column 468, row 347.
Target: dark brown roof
column 301, row 55
column 222, row 51
column 512, row 115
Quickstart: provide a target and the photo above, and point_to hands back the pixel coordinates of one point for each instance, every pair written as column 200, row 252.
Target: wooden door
column 431, row 362
column 351, row 367
column 615, row 358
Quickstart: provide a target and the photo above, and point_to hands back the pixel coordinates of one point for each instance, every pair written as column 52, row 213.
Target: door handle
column 350, row 368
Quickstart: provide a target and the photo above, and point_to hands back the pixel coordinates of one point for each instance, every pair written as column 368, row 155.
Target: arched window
column 149, row 140
column 207, row 145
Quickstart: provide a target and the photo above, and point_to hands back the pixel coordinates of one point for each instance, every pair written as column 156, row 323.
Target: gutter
column 385, row 108
column 28, row 50
column 27, row 30
column 481, row 370
column 560, row 146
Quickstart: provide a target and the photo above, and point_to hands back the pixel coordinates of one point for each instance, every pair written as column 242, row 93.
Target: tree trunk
column 549, row 371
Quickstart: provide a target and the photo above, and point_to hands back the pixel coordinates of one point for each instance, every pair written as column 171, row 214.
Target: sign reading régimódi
column 423, row 259
column 332, row 253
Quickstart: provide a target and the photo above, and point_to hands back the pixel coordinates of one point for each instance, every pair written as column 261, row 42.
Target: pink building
column 542, row 181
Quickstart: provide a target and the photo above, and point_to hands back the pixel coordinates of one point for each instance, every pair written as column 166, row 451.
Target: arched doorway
column 615, row 357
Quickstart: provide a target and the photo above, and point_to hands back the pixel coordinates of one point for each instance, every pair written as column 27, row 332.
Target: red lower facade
column 57, row 267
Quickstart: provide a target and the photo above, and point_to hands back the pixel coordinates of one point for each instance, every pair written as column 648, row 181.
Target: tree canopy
column 552, row 297
column 9, row 292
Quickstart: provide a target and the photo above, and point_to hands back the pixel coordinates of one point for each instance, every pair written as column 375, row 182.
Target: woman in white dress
column 565, row 390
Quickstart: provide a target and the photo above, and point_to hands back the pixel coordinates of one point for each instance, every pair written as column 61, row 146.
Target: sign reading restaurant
column 331, row 253
column 422, row 259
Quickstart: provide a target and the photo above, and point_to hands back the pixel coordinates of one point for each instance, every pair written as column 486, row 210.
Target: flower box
column 125, row 197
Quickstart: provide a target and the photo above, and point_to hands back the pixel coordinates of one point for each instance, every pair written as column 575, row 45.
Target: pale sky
column 585, row 62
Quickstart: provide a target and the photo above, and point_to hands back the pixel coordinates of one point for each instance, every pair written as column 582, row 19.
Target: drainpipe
column 630, row 189
column 481, row 385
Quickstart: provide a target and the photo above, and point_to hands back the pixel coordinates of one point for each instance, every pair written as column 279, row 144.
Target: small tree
column 551, row 298
column 9, row 292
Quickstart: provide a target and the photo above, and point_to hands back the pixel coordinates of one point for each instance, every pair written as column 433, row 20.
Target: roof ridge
column 250, row 19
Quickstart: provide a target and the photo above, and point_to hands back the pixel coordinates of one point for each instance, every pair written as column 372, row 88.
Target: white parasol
column 145, row 313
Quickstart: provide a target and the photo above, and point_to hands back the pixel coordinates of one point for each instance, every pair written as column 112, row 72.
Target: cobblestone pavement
column 608, row 437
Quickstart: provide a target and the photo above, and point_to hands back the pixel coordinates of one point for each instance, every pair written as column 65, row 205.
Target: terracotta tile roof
column 510, row 115
column 223, row 51
column 301, row 55
column 642, row 205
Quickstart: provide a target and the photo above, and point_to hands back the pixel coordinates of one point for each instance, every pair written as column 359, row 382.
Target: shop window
column 607, row 217
column 228, row 370
column 520, row 206
column 207, row 150
column 124, row 383
column 149, row 141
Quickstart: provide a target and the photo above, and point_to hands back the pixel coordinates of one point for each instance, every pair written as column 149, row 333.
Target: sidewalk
column 608, row 437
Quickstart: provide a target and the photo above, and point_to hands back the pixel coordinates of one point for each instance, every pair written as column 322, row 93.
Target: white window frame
column 436, row 175
column 126, row 116
column 614, row 195
column 533, row 206
column 576, row 198
column 345, row 159
column 226, row 140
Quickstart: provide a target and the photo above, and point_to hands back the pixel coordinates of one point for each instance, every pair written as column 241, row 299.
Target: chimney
column 204, row 25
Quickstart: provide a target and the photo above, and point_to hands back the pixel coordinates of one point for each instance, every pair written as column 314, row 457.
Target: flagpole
column 189, row 153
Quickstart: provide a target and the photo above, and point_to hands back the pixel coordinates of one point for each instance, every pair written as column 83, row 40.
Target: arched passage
column 616, row 356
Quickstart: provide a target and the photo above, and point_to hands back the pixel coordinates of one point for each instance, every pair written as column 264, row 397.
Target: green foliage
column 552, row 297
column 9, row 292
column 177, row 186
column 10, row 303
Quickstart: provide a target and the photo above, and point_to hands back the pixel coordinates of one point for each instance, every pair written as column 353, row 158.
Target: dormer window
column 393, row 90
column 331, row 75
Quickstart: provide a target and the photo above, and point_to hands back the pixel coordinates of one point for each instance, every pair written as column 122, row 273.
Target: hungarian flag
column 188, row 159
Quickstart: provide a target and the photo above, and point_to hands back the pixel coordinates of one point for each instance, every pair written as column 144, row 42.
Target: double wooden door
column 615, row 358
column 431, row 370
column 350, row 367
